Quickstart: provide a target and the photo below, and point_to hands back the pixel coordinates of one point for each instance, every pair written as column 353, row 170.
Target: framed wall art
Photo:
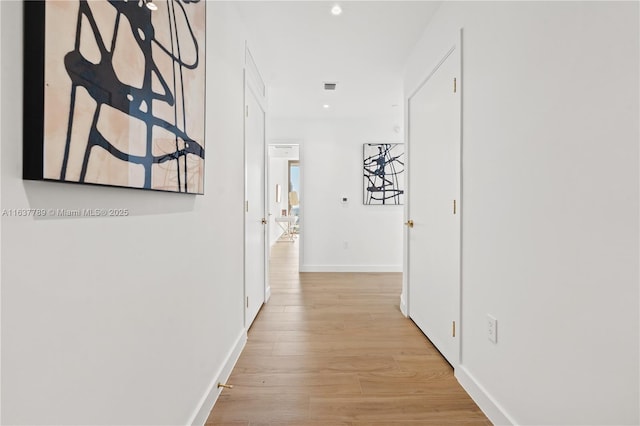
column 114, row 93
column 383, row 170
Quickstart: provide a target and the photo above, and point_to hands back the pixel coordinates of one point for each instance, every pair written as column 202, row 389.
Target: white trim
column 267, row 293
column 265, row 208
column 244, row 197
column 460, row 201
column 460, row 194
column 485, row 401
column 405, row 306
column 301, row 208
column 350, row 268
column 1, row 229
column 208, row 400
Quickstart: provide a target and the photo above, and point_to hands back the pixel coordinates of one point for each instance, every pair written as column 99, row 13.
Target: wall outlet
column 345, row 244
column 492, row 329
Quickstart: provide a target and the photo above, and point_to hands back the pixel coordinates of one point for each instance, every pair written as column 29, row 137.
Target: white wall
column 123, row 320
column 550, row 205
column 331, row 167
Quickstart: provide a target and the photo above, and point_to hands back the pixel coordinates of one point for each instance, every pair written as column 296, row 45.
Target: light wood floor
column 333, row 349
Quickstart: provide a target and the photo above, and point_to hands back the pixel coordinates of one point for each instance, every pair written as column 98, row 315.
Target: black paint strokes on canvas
column 102, row 84
column 381, row 173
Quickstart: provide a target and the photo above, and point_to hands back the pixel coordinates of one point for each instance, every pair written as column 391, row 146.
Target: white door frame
column 301, row 208
column 254, row 86
column 405, row 302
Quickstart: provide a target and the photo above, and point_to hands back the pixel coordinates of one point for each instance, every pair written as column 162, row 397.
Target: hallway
column 334, row 349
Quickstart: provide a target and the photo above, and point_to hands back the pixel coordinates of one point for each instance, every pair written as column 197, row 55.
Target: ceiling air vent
column 330, row 86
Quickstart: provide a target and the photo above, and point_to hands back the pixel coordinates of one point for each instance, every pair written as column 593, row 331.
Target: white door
column 433, row 206
column 255, row 223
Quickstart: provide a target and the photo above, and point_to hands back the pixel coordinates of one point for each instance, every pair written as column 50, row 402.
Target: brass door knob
column 264, row 221
column 409, row 223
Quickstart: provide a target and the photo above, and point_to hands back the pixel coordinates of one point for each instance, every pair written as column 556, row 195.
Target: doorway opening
column 284, row 194
column 294, row 195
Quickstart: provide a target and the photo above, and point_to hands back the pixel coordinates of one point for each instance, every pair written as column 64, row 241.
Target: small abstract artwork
column 383, row 169
column 115, row 93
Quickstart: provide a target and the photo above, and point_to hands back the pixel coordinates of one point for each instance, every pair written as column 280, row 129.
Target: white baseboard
column 267, row 294
column 403, row 305
column 350, row 268
column 478, row 393
column 210, row 397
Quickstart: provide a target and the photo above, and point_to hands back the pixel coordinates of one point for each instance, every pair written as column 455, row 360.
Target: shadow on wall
column 57, row 201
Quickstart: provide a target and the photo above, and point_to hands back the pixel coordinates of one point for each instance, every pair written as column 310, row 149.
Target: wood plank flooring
column 333, row 349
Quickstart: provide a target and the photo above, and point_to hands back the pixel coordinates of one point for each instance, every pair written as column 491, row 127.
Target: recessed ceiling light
column 326, row 106
column 336, row 10
column 151, row 5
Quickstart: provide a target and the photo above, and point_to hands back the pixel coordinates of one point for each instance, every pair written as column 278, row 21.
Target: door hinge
column 454, row 329
column 454, row 207
column 247, row 301
column 247, row 110
column 246, row 206
column 455, row 85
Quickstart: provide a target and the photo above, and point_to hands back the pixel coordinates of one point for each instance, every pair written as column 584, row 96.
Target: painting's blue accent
column 383, row 165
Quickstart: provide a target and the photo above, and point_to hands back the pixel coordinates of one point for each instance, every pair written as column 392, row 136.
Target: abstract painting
column 115, row 93
column 383, row 168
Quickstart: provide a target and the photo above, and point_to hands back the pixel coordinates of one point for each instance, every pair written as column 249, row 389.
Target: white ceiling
column 299, row 45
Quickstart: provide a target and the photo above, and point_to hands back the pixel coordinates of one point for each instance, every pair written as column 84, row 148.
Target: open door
column 255, row 225
column 434, row 206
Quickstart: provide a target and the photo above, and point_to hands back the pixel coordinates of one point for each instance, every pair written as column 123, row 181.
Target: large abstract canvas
column 115, row 93
column 383, row 169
